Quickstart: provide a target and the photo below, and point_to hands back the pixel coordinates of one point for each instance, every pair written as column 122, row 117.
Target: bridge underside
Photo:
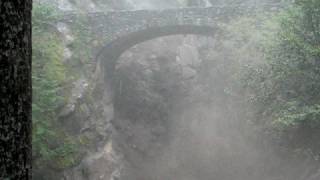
column 110, row 53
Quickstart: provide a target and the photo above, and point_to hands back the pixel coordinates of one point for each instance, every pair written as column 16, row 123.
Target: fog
column 164, row 4
column 201, row 132
column 186, row 104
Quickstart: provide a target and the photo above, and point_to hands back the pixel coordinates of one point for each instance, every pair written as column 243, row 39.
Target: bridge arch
column 111, row 52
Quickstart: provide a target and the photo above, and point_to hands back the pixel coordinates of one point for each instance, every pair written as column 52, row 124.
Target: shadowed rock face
column 160, row 129
column 169, row 125
column 148, row 83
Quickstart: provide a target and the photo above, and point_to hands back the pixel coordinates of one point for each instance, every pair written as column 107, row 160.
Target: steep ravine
column 134, row 128
column 89, row 108
column 149, row 84
column 170, row 123
column 169, row 115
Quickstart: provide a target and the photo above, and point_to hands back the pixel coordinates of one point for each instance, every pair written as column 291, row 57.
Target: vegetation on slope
column 51, row 144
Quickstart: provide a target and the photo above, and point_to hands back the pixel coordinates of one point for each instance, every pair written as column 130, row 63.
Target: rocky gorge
column 175, row 107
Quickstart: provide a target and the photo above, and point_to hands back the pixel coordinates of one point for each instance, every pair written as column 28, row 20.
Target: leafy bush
column 287, row 87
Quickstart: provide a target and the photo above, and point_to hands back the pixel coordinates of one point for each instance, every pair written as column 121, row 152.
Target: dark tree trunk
column 15, row 89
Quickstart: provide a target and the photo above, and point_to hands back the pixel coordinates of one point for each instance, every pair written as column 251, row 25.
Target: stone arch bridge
column 120, row 30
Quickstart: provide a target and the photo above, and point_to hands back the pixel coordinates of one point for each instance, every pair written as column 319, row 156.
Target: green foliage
column 81, row 46
column 294, row 59
column 51, row 145
column 294, row 115
column 42, row 14
column 287, row 87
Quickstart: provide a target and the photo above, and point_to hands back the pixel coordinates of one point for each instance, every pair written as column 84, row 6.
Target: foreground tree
column 15, row 91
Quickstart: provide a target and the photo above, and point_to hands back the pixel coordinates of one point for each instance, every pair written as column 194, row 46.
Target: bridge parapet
column 116, row 24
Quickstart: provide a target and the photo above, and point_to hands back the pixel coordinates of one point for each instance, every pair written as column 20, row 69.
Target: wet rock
column 101, row 165
column 67, row 110
column 64, row 29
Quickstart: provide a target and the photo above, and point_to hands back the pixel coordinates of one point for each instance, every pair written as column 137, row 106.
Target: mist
column 175, row 90
column 188, row 126
column 166, row 4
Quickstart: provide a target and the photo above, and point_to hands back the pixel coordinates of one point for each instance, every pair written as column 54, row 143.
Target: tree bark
column 15, row 89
